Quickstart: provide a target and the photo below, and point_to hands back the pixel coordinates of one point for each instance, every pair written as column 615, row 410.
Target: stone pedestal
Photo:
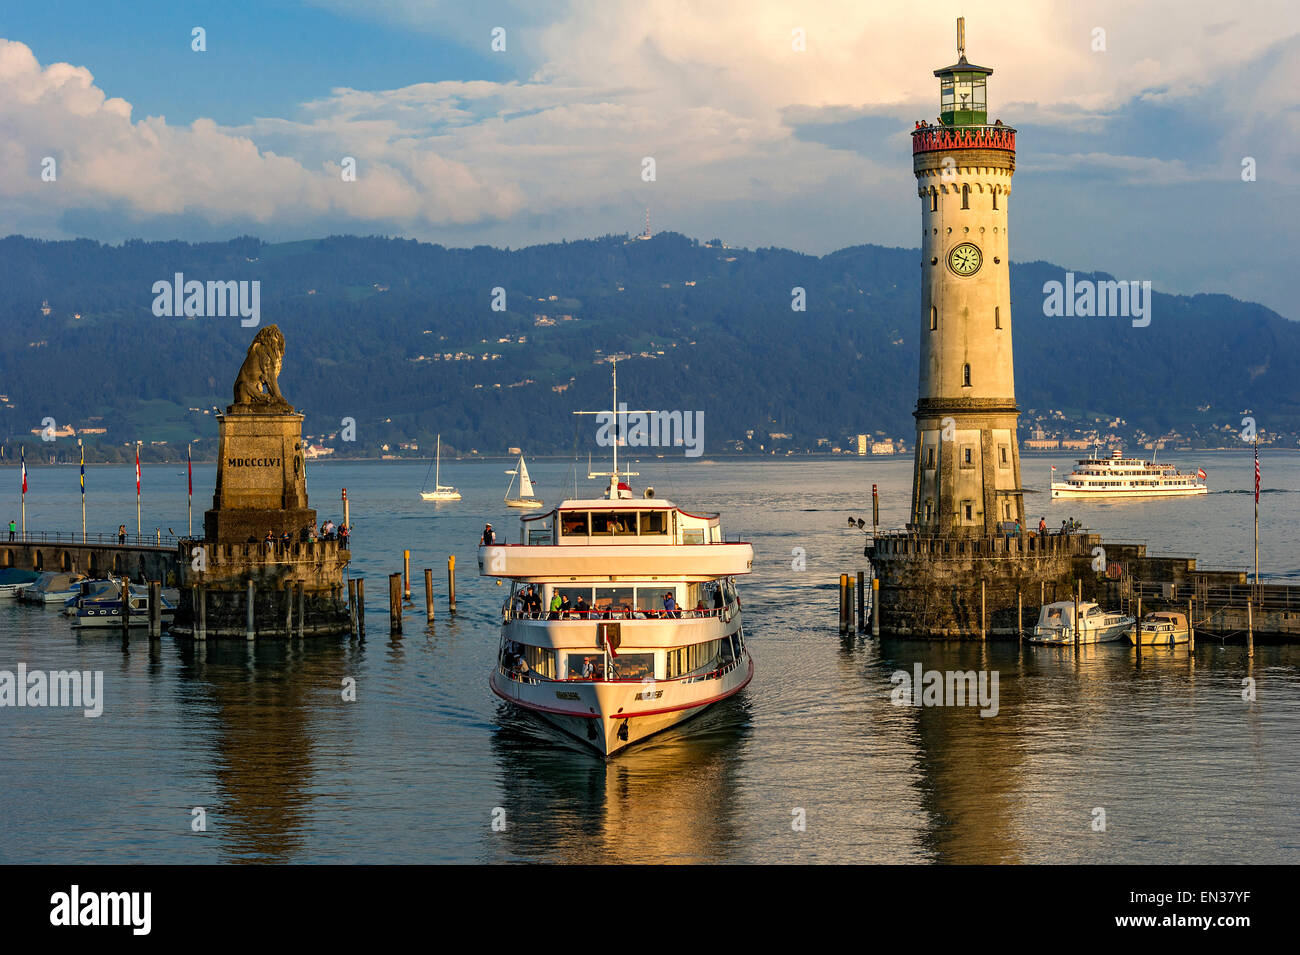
column 261, row 479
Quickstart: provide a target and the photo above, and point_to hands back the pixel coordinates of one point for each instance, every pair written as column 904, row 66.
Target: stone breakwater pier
column 258, row 571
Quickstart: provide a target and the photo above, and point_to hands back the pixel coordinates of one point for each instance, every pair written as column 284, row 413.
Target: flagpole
column 22, row 454
column 189, row 480
column 83, row 490
column 1255, row 588
column 137, row 492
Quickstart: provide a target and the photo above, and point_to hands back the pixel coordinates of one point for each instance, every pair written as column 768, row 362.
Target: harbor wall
column 140, row 562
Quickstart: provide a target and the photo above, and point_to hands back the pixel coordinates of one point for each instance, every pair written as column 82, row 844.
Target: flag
column 1053, row 467
column 137, row 470
column 83, row 467
column 1200, row 473
column 22, row 455
column 1257, row 474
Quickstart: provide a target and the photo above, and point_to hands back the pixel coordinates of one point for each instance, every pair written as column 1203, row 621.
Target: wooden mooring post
column 844, row 603
column 361, row 608
column 875, row 606
column 984, row 630
column 250, row 628
column 126, row 608
column 352, row 603
column 155, row 609
column 451, row 583
column 1020, row 616
column 428, row 593
column 1250, row 628
column 302, row 607
column 1191, row 627
column 395, row 603
column 862, row 602
column 406, row 576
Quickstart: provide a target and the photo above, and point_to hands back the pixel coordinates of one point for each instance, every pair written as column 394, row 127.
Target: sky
column 770, row 124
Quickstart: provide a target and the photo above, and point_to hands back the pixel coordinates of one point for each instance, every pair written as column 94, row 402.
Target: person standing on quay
column 121, row 534
column 13, row 527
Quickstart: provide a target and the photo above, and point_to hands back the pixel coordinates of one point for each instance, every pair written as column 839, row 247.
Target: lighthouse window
column 934, row 318
column 1003, row 449
column 965, row 197
column 929, row 510
column 995, row 200
column 966, row 455
column 929, row 458
column 934, row 202
column 997, row 317
column 969, row 512
column 965, row 376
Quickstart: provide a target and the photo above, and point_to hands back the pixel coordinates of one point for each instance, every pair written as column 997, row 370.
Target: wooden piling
column 126, row 608
column 155, row 609
column 875, row 606
column 1137, row 629
column 406, row 575
column 395, row 603
column 302, row 607
column 288, row 609
column 428, row 593
column 984, row 632
column 844, row 603
column 1191, row 627
column 849, row 603
column 202, row 612
column 361, row 608
column 1020, row 616
column 451, row 583
column 862, row 601
column 1078, row 589
column 1250, row 628
column 352, row 604
column 250, row 629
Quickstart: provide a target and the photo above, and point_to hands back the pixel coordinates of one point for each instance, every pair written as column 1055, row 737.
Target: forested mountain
column 369, row 321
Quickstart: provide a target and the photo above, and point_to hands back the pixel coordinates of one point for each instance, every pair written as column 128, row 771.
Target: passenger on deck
column 581, row 607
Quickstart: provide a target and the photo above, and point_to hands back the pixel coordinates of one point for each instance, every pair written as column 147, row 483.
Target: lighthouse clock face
column 965, row 259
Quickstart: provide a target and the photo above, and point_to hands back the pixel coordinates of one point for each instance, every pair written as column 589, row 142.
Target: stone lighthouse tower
column 966, row 479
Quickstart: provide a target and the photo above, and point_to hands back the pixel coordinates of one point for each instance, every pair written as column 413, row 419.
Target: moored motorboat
column 99, row 604
column 52, row 587
column 13, row 580
column 1162, row 628
column 1057, row 624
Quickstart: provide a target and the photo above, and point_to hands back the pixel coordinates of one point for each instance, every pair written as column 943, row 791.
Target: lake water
column 418, row 768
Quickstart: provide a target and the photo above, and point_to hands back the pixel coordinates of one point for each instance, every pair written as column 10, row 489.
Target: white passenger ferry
column 623, row 617
column 1119, row 476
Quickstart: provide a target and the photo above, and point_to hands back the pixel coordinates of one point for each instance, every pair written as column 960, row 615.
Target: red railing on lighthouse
column 927, row 139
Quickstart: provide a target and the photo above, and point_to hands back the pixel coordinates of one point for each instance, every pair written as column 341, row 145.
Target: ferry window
column 650, row 599
column 654, row 522
column 688, row 659
column 573, row 524
column 542, row 535
column 632, row 666
column 614, row 600
column 573, row 593
column 541, row 661
column 585, row 666
column 692, row 535
column 604, row 524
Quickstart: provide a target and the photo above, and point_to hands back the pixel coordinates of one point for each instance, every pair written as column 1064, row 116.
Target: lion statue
column 261, row 368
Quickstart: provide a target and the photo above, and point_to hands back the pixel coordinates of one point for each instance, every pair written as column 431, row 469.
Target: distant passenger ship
column 1118, row 476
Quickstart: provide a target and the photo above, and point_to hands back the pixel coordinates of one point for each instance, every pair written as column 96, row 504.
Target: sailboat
column 525, row 498
column 440, row 492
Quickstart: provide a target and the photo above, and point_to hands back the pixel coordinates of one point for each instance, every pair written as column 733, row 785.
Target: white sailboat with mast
column 440, row 492
column 526, row 498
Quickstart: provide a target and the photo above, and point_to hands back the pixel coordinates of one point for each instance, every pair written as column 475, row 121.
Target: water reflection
column 671, row 799
column 258, row 698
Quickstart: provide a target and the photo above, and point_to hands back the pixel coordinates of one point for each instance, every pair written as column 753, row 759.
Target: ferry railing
column 715, row 671
column 602, row 616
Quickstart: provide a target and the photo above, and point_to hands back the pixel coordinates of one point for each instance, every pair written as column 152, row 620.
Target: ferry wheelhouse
column 1118, row 476
column 623, row 617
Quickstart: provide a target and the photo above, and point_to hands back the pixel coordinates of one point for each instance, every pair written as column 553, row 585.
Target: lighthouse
column 966, row 478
